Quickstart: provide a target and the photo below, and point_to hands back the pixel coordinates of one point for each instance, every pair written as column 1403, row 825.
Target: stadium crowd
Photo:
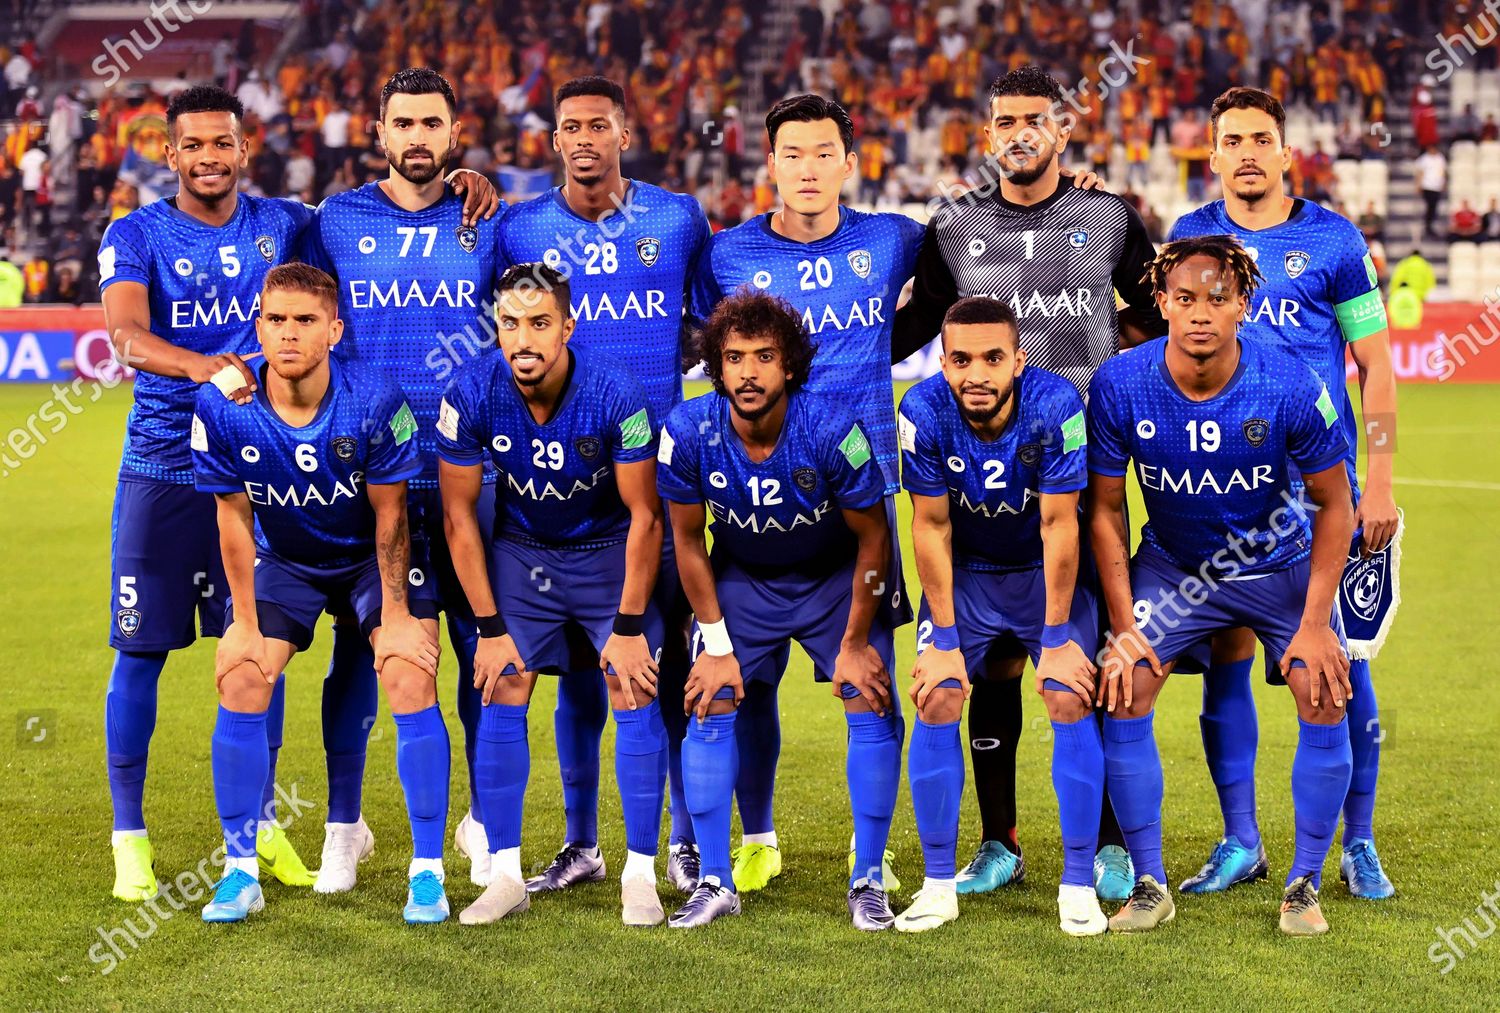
column 912, row 75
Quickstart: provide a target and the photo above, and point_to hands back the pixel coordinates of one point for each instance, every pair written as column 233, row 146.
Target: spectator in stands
column 1424, row 119
column 1489, row 130
column 1190, row 148
column 12, row 286
column 1466, row 125
column 260, row 97
column 33, row 172
column 38, row 275
column 64, row 287
column 1492, row 220
column 1371, row 222
column 1466, row 224
column 1350, row 143
column 1432, row 180
column 1317, row 173
column 1415, row 273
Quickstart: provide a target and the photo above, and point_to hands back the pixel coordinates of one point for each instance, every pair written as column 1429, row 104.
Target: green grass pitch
column 1437, row 820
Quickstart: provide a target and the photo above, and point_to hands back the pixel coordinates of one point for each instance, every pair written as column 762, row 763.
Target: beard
column 983, row 416
column 208, row 197
column 756, row 414
column 421, row 175
column 1030, row 173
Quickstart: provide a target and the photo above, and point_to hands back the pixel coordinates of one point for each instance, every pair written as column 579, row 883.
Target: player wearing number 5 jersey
column 310, row 479
column 181, row 282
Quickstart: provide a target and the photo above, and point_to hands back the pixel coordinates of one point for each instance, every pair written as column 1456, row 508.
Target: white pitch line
column 1437, row 483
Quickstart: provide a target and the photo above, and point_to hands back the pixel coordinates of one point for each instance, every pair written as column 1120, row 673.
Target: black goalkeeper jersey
column 1057, row 263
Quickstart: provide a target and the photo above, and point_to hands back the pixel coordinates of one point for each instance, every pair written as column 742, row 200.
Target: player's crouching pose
column 994, row 456
column 1213, row 424
column 578, row 536
column 801, row 552
column 319, row 460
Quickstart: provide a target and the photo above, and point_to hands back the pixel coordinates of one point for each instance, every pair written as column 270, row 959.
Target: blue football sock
column 1078, row 779
column 758, row 728
column 129, row 719
column 1320, row 781
column 351, row 701
column 640, row 743
column 239, row 766
column 579, row 720
column 502, row 765
column 1133, row 767
column 671, row 681
column 710, row 765
column 1230, row 738
column 465, row 637
column 1364, row 743
column 935, row 767
column 275, row 722
column 422, row 765
column 873, row 769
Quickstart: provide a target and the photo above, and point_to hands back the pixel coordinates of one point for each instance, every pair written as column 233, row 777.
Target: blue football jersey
column 203, row 282
column 1215, row 474
column 306, row 484
column 784, row 510
column 416, row 292
column 846, row 286
column 628, row 275
column 1320, row 291
column 994, row 487
column 556, row 483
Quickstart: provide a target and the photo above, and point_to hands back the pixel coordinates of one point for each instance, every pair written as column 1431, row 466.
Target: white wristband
column 228, row 380
column 715, row 639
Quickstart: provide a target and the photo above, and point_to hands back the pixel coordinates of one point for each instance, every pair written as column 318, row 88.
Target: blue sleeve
column 1176, row 232
column 460, row 432
column 848, row 463
column 1064, row 464
column 503, row 258
column 1315, row 440
column 1108, row 449
column 1350, row 278
column 921, row 458
column 629, row 428
column 213, row 459
column 677, row 474
column 393, row 439
column 124, row 254
column 705, row 293
column 912, row 233
column 313, row 251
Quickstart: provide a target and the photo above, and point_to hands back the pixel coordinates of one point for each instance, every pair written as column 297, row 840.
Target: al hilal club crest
column 129, row 620
column 648, row 248
column 1256, row 431
column 267, row 247
column 1296, row 263
column 588, row 446
column 805, row 478
column 344, row 447
column 859, row 262
column 468, row 238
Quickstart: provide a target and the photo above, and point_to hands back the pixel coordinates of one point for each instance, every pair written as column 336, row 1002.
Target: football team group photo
column 644, row 504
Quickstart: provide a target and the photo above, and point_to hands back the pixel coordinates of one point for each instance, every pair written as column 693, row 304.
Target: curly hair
column 755, row 314
column 1232, row 257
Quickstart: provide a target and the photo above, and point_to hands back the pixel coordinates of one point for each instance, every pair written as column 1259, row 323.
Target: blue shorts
column 165, row 567
column 1173, row 623
column 540, row 592
column 991, row 608
column 765, row 613
column 290, row 598
column 424, row 516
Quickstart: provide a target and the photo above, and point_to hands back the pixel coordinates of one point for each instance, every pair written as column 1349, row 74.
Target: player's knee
column 944, row 705
column 617, row 699
column 1231, row 645
column 407, row 687
column 513, row 690
column 244, row 690
column 1065, row 708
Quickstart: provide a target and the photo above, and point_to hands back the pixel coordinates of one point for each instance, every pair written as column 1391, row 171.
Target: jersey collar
column 726, row 410
column 181, row 215
column 1031, row 209
column 262, row 399
column 765, row 225
column 1299, row 211
column 556, row 194
column 384, row 198
column 1239, row 371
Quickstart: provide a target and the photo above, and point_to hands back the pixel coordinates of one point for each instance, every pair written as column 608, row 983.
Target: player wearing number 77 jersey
column 994, row 456
column 801, row 552
column 1214, row 425
column 310, row 479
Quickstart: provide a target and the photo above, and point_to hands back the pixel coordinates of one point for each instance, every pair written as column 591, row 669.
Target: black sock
column 994, row 733
column 1109, row 827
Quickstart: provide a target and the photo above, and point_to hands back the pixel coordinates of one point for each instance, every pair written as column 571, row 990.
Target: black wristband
column 490, row 626
column 627, row 625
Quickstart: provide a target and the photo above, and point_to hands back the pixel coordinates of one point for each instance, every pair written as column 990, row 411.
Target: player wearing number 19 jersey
column 1215, row 426
column 993, row 454
column 181, row 286
column 801, row 550
column 415, row 282
column 1320, row 300
column 628, row 250
column 842, row 270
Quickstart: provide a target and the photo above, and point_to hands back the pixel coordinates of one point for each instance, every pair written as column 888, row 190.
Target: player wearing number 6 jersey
column 310, row 479
column 993, row 454
column 801, row 552
column 1214, row 425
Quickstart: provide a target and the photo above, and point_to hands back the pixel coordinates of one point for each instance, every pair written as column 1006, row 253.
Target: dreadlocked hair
column 1233, row 259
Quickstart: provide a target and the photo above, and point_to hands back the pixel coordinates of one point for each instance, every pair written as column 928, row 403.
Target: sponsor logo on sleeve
column 1326, row 409
column 1074, row 433
column 855, row 447
column 635, row 432
column 403, row 424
